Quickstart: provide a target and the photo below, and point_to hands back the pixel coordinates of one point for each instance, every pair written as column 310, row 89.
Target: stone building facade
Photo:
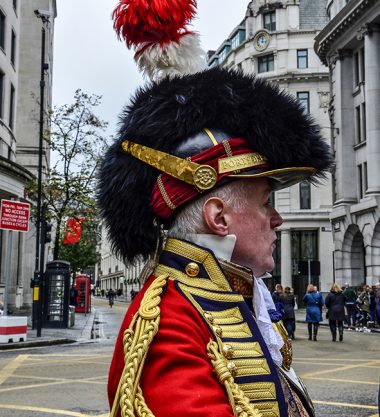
column 275, row 40
column 111, row 272
column 350, row 46
column 20, row 63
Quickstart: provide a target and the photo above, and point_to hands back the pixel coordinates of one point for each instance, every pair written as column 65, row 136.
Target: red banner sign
column 14, row 215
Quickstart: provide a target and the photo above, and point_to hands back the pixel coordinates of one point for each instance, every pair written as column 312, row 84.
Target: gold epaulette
column 136, row 341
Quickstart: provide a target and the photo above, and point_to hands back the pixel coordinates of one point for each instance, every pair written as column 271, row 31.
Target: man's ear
column 215, row 216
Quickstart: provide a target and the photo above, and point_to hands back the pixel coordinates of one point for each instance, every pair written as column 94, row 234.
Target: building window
column 360, row 123
column 304, row 247
column 266, row 63
column 11, row 106
column 15, row 5
column 235, row 42
column 2, row 30
column 305, row 195
column 13, row 48
column 362, row 179
column 359, row 75
column 269, row 21
column 223, row 55
column 302, row 58
column 363, row 123
column 238, row 38
column 304, row 98
column 214, row 62
column 356, row 68
column 1, row 94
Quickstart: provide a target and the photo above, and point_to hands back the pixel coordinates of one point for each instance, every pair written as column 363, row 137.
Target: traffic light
column 46, row 231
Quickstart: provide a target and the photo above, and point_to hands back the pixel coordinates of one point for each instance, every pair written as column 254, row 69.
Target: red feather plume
column 153, row 21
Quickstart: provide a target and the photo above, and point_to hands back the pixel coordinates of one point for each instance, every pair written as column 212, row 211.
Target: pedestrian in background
column 377, row 300
column 314, row 302
column 73, row 296
column 372, row 305
column 364, row 302
column 335, row 302
column 288, row 302
column 350, row 297
column 278, row 291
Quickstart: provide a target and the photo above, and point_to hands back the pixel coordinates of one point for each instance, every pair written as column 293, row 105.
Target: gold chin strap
column 211, row 136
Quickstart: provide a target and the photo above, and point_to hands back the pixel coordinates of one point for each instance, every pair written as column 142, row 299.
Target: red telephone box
column 83, row 285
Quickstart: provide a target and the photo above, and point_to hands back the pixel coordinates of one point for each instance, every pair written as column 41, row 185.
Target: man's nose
column 276, row 220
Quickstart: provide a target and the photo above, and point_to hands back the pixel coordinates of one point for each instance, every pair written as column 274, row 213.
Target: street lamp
column 44, row 15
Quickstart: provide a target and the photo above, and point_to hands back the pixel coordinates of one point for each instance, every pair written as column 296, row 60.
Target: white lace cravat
column 262, row 302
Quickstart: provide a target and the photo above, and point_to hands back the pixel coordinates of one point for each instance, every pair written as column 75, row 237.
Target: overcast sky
column 87, row 54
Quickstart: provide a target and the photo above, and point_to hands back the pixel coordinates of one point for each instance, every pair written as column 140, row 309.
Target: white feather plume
column 184, row 57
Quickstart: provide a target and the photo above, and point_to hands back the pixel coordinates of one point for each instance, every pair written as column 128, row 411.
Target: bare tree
column 76, row 138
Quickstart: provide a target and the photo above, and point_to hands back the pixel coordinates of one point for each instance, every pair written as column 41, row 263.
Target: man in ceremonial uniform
column 187, row 184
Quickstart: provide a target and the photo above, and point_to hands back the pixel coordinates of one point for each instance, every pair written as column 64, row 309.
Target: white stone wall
column 29, row 81
column 284, row 43
column 355, row 215
column 112, row 272
column 24, row 75
column 10, row 71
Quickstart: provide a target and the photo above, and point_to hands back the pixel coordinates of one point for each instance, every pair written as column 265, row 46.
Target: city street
column 70, row 380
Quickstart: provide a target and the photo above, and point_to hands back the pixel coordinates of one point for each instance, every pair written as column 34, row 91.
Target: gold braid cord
column 239, row 401
column 136, row 341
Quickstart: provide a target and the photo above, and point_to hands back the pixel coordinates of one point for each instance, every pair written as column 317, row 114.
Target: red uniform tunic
column 178, row 378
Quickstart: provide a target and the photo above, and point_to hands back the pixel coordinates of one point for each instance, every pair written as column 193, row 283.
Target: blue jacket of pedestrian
column 314, row 302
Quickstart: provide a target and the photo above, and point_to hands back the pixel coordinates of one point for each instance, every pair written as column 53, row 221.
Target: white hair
column 190, row 219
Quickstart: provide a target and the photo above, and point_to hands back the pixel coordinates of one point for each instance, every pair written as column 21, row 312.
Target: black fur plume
column 164, row 115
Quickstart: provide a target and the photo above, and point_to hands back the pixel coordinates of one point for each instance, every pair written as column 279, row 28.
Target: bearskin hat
column 170, row 116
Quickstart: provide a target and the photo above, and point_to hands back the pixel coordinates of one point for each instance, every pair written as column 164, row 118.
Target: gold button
column 192, row 269
column 208, row 317
column 218, row 330
column 232, row 368
column 228, row 352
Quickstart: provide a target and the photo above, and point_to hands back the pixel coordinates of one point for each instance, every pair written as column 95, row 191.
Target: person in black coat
column 335, row 302
column 288, row 302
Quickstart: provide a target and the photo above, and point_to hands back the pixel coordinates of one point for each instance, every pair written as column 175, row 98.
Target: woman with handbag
column 335, row 302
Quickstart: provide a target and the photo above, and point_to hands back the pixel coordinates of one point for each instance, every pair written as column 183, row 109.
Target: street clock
column 261, row 41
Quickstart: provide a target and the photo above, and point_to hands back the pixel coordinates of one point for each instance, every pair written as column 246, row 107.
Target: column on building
column 345, row 135
column 372, row 105
column 286, row 258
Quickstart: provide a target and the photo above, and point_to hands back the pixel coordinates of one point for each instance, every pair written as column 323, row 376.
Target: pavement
column 83, row 331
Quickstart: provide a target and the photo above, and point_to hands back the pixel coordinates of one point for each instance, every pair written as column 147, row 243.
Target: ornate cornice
column 15, row 170
column 367, row 29
column 297, row 76
column 340, row 24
